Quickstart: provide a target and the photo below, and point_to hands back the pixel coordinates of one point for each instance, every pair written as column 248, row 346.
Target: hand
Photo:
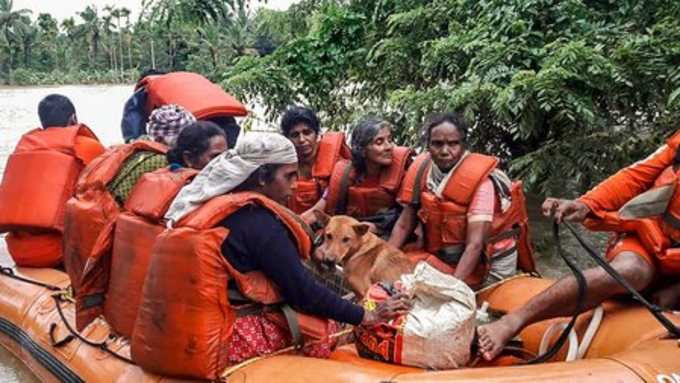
column 308, row 217
column 396, row 305
column 564, row 209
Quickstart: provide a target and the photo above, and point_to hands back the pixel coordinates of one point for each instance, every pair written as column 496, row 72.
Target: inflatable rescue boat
column 618, row 342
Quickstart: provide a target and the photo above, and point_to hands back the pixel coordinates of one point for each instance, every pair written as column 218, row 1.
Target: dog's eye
column 345, row 240
column 329, row 237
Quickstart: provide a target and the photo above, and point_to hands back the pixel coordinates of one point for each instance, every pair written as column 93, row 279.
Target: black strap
column 343, row 193
column 671, row 220
column 582, row 287
column 512, row 233
column 100, row 345
column 293, row 325
column 58, row 343
column 93, row 300
column 8, row 271
column 654, row 309
column 415, row 198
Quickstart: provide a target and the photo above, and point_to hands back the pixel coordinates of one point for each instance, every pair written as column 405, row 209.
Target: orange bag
column 193, row 92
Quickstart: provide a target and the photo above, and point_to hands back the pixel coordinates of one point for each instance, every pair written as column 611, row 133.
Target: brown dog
column 365, row 258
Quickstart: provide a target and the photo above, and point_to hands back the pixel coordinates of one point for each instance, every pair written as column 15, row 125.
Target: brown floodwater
column 100, row 107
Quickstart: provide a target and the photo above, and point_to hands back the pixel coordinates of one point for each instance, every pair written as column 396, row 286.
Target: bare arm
column 309, row 216
column 477, row 232
column 404, row 227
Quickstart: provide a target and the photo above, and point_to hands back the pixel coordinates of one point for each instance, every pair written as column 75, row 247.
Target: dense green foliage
column 566, row 91
column 105, row 45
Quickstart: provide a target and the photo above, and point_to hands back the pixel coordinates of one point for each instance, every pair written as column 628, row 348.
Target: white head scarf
column 230, row 169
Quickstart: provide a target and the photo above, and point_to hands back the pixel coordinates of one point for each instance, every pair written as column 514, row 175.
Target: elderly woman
column 264, row 239
column 366, row 187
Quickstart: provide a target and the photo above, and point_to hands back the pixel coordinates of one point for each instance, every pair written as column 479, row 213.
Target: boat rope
column 576, row 350
column 580, row 301
column 232, row 369
column 58, row 298
column 656, row 311
column 9, row 272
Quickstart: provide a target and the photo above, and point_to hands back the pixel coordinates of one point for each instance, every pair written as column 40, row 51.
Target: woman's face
column 281, row 187
column 379, row 150
column 305, row 140
column 446, row 145
column 217, row 145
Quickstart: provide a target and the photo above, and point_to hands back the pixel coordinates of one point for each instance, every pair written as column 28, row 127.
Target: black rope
column 656, row 311
column 8, row 271
column 100, row 345
column 582, row 287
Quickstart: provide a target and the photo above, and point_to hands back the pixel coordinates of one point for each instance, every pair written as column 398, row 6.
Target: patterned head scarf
column 230, row 169
column 167, row 121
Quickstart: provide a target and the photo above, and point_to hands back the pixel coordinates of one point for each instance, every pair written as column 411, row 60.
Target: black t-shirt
column 259, row 241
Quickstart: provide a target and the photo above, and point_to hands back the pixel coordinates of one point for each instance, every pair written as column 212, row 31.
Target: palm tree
column 91, row 28
column 124, row 12
column 10, row 22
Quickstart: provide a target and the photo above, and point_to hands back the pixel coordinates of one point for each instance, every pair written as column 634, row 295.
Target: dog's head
column 342, row 237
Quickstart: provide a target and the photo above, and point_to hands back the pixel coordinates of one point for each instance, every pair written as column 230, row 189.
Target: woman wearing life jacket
column 103, row 188
column 640, row 203
column 317, row 154
column 230, row 229
column 40, row 176
column 195, row 146
column 474, row 218
column 366, row 187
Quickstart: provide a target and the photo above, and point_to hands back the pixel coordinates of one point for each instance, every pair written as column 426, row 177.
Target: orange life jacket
column 185, row 318
column 40, row 177
column 92, row 207
column 307, row 192
column 445, row 220
column 659, row 234
column 192, row 91
column 135, row 234
column 358, row 200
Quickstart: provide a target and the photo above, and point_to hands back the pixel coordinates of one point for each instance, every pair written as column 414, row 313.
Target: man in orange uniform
column 644, row 252
column 40, row 176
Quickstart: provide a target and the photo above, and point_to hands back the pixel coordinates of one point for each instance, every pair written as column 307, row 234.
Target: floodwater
column 100, row 107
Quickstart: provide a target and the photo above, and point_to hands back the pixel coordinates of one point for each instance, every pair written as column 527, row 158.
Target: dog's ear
column 360, row 229
column 321, row 217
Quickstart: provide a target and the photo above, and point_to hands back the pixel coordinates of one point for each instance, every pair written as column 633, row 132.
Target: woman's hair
column 362, row 135
column 194, row 140
column 264, row 173
column 298, row 115
column 452, row 118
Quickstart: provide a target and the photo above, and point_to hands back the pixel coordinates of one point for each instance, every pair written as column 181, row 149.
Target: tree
column 564, row 91
column 11, row 21
column 92, row 29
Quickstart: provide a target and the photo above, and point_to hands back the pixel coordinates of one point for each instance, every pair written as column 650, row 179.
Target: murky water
column 100, row 108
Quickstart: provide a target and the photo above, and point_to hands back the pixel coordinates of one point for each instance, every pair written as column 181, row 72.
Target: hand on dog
column 398, row 304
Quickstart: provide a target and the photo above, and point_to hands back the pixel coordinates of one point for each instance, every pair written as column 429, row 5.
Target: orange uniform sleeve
column 87, row 149
column 627, row 183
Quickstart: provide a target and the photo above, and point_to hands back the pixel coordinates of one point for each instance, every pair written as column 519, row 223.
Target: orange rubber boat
column 621, row 342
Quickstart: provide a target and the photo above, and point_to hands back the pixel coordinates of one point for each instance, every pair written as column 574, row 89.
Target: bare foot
column 494, row 336
column 668, row 297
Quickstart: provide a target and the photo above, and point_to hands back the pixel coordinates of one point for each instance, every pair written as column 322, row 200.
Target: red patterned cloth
column 257, row 335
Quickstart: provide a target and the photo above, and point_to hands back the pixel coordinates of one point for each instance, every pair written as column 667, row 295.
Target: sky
column 62, row 9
